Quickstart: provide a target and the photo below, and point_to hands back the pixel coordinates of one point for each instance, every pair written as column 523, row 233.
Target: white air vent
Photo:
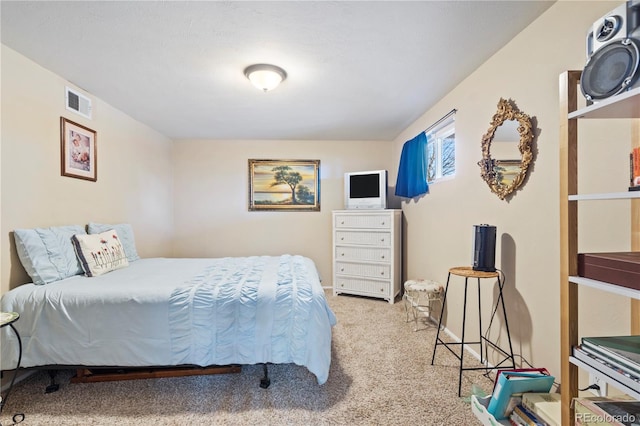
column 77, row 102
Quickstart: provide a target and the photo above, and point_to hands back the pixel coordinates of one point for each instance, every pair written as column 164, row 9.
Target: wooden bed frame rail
column 92, row 375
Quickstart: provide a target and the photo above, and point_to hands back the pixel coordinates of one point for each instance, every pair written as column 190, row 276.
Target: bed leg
column 53, row 386
column 265, row 381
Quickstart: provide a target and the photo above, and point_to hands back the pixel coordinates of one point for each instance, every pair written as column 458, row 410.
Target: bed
column 175, row 312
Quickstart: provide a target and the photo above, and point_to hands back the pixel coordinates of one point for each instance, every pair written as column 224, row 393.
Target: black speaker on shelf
column 613, row 53
column 484, row 248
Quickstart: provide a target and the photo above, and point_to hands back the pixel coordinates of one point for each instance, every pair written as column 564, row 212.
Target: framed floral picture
column 78, row 156
column 284, row 185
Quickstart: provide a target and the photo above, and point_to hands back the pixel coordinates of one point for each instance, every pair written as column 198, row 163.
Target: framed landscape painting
column 77, row 151
column 284, row 185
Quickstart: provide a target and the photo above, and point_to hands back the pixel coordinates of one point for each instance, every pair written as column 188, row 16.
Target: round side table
column 419, row 297
column 7, row 319
column 468, row 272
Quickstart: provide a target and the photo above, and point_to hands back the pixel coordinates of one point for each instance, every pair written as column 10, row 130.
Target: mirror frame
column 506, row 111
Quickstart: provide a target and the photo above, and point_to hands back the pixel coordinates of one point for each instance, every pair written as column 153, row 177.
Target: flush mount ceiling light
column 264, row 76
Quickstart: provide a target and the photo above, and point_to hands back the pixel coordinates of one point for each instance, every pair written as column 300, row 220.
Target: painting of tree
column 286, row 175
column 284, row 185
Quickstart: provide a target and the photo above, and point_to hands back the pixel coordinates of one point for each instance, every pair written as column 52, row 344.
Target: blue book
column 527, row 416
column 512, row 383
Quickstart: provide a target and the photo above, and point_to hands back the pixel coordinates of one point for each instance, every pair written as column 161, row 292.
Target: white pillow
column 99, row 253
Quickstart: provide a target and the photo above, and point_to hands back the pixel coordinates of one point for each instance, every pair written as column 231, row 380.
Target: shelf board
column 606, row 196
column 611, row 381
column 624, row 105
column 610, row 288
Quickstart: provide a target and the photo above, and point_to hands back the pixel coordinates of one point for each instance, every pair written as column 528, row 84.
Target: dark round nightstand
column 7, row 319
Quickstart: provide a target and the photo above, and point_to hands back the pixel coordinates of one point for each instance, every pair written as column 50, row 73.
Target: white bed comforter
column 162, row 312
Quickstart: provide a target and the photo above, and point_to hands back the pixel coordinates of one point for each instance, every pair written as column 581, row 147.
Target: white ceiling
column 357, row 70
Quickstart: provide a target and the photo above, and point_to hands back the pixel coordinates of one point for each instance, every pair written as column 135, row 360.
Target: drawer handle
column 383, row 222
column 341, row 269
column 342, row 223
column 382, row 257
column 341, row 238
column 382, row 290
column 342, row 254
column 382, row 273
column 382, row 240
column 342, row 285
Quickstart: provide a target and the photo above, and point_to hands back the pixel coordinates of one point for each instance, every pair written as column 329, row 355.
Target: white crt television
column 365, row 190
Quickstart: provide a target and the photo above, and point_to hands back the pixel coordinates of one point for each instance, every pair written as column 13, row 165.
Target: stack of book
column 545, row 406
column 522, row 416
column 506, row 400
column 616, row 356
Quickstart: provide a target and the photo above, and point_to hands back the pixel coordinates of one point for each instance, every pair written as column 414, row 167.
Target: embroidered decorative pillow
column 125, row 232
column 99, row 253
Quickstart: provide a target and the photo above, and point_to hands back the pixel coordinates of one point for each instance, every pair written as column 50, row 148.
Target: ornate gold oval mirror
column 506, row 150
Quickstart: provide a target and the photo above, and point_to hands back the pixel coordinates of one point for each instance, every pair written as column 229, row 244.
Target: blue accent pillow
column 125, row 233
column 47, row 254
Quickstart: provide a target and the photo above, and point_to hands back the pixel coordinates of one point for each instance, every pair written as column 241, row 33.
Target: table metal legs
column 482, row 340
column 19, row 417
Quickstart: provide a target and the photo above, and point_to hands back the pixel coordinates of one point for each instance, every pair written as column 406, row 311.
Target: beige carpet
column 381, row 374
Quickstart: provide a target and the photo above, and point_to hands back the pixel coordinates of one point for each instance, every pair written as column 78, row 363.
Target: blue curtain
column 412, row 171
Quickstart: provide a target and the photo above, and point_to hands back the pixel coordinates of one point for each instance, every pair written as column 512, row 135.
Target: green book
column 626, row 343
column 607, row 348
column 627, row 346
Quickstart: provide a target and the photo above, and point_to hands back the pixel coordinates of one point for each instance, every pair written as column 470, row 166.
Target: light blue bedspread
column 160, row 312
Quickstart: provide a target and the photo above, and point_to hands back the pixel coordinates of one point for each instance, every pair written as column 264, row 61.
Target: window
column 441, row 149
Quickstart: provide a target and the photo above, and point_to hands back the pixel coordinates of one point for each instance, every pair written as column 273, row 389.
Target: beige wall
column 134, row 167
column 211, row 197
column 192, row 194
column 439, row 225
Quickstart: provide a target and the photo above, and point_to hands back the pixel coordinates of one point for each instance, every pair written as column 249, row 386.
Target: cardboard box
column 589, row 414
column 619, row 268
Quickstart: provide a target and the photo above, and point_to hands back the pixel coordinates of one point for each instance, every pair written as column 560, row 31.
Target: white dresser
column 367, row 252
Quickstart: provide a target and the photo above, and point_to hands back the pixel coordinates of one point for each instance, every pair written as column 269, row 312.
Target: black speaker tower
column 484, row 248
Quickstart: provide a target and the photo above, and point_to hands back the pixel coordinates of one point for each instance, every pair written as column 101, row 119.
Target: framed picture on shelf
column 284, row 185
column 78, row 156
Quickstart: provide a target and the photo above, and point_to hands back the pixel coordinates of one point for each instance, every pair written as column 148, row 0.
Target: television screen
column 364, row 186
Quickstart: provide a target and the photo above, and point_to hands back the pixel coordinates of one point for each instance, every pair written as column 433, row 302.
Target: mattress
column 169, row 312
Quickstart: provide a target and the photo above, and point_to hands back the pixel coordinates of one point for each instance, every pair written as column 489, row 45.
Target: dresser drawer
column 381, row 271
column 367, row 245
column 370, row 254
column 361, row 286
column 380, row 239
column 369, row 221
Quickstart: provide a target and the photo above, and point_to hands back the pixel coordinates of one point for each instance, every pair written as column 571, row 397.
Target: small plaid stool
column 419, row 297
